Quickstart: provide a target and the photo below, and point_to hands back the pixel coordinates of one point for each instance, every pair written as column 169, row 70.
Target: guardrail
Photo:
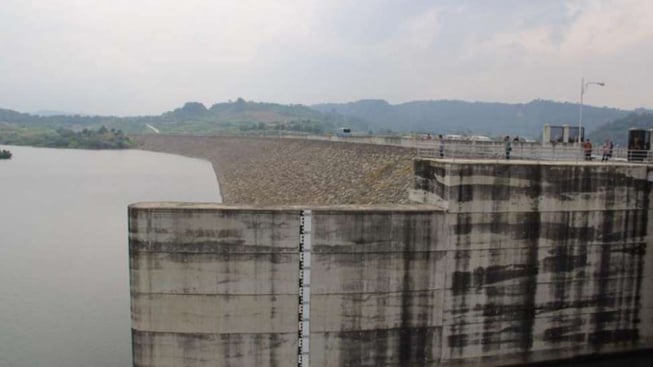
column 478, row 149
column 528, row 151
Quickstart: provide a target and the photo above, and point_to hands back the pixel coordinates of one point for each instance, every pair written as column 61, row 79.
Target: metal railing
column 478, row 149
column 528, row 151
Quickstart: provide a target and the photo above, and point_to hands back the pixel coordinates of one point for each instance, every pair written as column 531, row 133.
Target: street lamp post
column 583, row 88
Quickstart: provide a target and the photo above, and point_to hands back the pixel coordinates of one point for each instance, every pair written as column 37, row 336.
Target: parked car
column 343, row 131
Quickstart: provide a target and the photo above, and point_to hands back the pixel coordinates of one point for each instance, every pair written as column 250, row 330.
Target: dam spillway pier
column 496, row 263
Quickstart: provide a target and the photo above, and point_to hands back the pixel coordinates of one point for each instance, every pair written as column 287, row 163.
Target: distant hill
column 377, row 116
column 493, row 119
column 617, row 130
column 246, row 116
column 13, row 116
column 239, row 116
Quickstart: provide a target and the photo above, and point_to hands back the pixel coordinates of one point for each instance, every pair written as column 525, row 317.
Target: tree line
column 102, row 138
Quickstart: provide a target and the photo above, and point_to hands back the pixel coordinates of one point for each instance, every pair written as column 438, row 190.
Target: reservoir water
column 64, row 281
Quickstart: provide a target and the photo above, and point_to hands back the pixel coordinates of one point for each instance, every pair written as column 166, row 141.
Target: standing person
column 441, row 145
column 610, row 148
column 508, row 146
column 587, row 149
column 606, row 150
column 589, row 142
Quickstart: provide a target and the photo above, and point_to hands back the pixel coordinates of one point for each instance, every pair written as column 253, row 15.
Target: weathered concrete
column 545, row 261
column 213, row 287
column 517, row 262
column 378, row 287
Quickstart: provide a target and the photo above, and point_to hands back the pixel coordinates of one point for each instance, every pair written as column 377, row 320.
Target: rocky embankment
column 273, row 171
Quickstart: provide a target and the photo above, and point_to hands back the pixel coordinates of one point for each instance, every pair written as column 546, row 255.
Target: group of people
column 606, row 149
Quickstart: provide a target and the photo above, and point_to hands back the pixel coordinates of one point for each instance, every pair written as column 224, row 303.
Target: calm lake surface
column 64, row 281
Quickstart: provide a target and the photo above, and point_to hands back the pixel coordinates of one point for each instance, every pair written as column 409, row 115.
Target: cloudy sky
column 129, row 57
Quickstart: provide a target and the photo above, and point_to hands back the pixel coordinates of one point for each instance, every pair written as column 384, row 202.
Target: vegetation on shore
column 233, row 117
column 5, row 154
column 102, row 138
column 243, row 117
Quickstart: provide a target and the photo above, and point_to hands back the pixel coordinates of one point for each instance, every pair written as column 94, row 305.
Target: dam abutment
column 498, row 263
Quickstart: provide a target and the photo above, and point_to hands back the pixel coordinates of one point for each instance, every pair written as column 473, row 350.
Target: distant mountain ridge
column 454, row 116
column 193, row 117
column 245, row 111
column 372, row 115
column 617, row 130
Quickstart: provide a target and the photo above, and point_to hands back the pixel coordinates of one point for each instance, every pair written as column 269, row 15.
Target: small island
column 5, row 154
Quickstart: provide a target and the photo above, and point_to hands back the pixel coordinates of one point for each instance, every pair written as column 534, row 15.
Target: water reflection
column 64, row 287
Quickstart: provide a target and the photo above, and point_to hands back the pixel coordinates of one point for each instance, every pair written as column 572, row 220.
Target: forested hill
column 494, row 119
column 377, row 116
column 256, row 117
column 617, row 130
column 239, row 116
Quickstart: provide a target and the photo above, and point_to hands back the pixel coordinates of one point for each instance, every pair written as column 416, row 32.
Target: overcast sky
column 129, row 57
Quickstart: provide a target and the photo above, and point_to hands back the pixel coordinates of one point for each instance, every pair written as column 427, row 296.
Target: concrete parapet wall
column 490, row 186
column 491, row 281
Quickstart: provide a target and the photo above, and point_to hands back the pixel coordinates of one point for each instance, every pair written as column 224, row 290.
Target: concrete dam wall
column 551, row 260
column 502, row 262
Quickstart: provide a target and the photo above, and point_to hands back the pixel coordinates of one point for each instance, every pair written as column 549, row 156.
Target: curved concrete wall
column 213, row 287
column 516, row 263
